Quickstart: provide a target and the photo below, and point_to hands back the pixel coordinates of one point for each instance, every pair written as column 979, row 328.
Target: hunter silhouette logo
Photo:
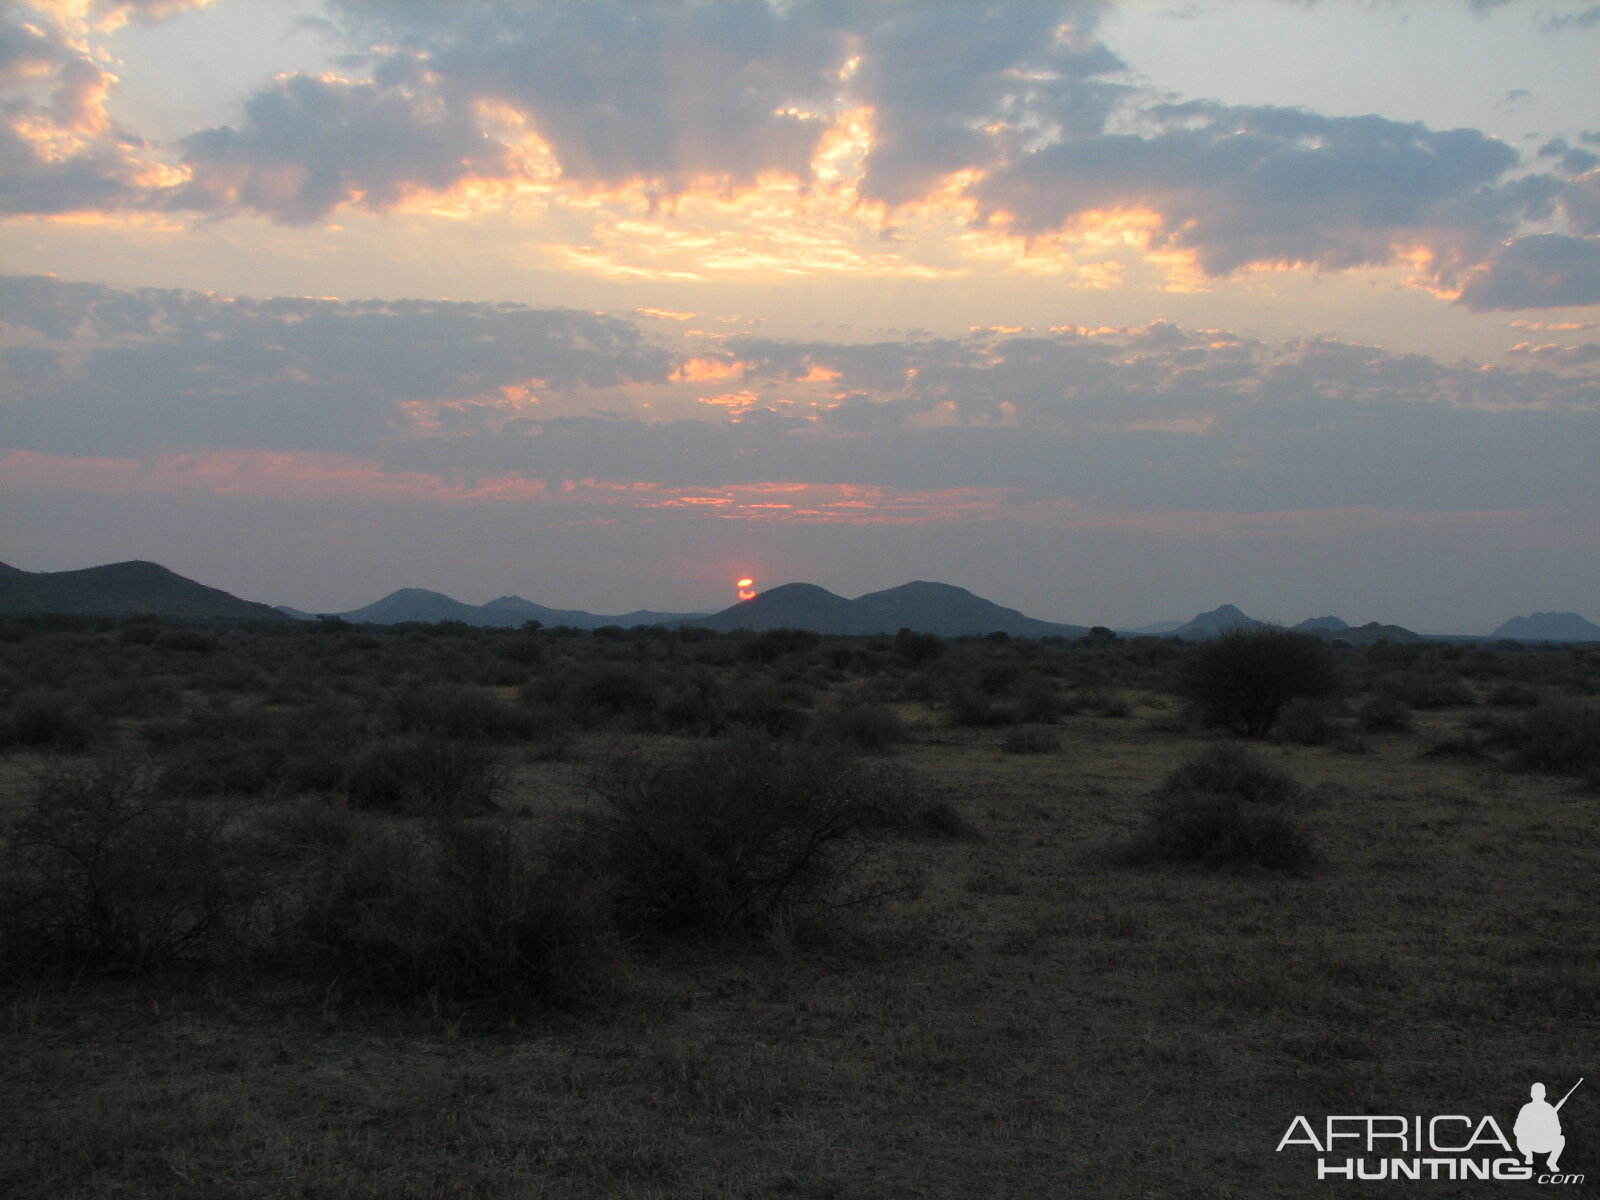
column 1371, row 1148
column 1538, row 1127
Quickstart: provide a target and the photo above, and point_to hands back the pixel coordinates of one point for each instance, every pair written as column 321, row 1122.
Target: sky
column 1110, row 312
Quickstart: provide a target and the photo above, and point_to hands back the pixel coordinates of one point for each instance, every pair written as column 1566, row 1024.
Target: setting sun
column 747, row 589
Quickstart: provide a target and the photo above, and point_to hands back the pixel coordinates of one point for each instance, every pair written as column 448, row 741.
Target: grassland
column 1035, row 1018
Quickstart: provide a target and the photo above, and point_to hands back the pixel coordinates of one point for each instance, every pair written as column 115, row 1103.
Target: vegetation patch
column 102, row 873
column 461, row 913
column 1226, row 809
column 742, row 834
column 428, row 775
column 1244, row 678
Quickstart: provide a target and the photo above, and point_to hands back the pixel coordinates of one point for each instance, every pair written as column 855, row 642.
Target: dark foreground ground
column 1036, row 1021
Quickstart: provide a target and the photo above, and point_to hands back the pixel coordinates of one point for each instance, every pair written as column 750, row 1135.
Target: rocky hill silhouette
column 938, row 608
column 506, row 612
column 123, row 590
column 1549, row 627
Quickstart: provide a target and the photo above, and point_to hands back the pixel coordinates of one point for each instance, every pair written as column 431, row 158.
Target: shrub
column 1307, row 722
column 773, row 644
column 695, row 703
column 766, row 707
column 1218, row 832
column 610, row 690
column 1032, row 740
column 971, row 708
column 1227, row 770
column 915, row 649
column 47, row 719
column 139, row 635
column 1513, row 695
column 460, row 913
column 135, row 696
column 220, row 752
column 524, row 649
column 1039, row 701
column 1103, row 701
column 1243, row 678
column 255, row 752
column 187, row 641
column 448, row 710
column 1225, row 809
column 1561, row 735
column 873, row 728
column 103, row 873
column 1383, row 712
column 738, row 835
column 1464, row 744
column 428, row 775
column 1427, row 692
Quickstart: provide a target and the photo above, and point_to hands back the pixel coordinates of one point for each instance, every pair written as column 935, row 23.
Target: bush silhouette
column 1225, row 810
column 739, row 834
column 428, row 774
column 1243, row 678
column 1561, row 736
column 1384, row 712
column 101, row 872
column 872, row 728
column 461, row 912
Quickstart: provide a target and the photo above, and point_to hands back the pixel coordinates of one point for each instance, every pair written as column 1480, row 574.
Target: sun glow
column 747, row 589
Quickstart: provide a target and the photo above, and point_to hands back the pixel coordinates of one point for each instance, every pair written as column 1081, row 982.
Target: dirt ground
column 1037, row 1022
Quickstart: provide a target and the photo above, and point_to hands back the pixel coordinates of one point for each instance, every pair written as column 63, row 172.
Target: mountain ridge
column 138, row 586
column 123, row 589
column 503, row 612
column 1549, row 627
column 938, row 608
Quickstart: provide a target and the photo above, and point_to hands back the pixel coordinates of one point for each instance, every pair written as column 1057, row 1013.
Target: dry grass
column 1037, row 1022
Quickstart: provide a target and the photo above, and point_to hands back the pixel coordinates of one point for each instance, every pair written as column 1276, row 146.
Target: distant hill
column 788, row 606
column 506, row 612
column 1218, row 620
column 123, row 590
column 938, row 608
column 419, row 604
column 527, row 610
column 951, row 611
column 1369, row 634
column 1157, row 629
column 1320, row 625
column 1550, row 627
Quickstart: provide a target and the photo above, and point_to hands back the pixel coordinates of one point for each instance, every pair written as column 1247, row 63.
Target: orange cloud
column 735, row 402
column 700, row 370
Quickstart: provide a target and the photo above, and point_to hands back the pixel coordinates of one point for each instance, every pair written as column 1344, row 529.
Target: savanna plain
column 433, row 911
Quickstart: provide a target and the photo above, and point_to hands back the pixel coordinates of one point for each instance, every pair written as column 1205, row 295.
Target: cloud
column 60, row 150
column 112, row 14
column 1589, row 18
column 1258, row 186
column 782, row 137
column 662, row 99
column 308, row 146
column 1542, row 271
column 1573, row 160
column 1015, row 112
column 1567, row 356
column 663, row 94
column 463, row 401
column 957, row 88
column 98, row 370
